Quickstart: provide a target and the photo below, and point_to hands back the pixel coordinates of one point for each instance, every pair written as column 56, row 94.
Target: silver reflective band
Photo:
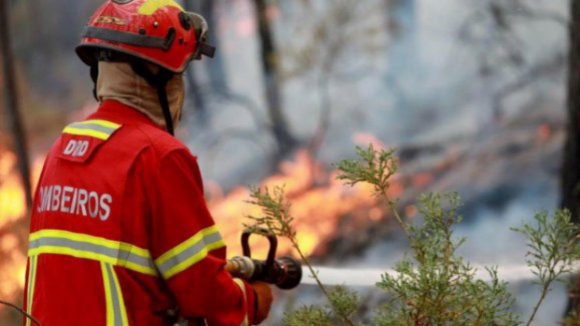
column 193, row 253
column 116, row 313
column 92, row 126
column 80, row 249
column 31, row 286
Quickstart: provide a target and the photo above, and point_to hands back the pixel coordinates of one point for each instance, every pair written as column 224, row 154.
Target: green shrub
column 433, row 284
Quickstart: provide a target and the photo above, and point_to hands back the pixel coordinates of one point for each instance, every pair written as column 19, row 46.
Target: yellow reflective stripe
column 121, row 299
column 103, row 123
column 91, row 255
column 189, row 252
column 100, row 129
column 90, row 247
column 108, row 296
column 91, row 239
column 114, row 302
column 242, row 286
column 31, row 284
column 186, row 244
column 151, row 6
column 192, row 260
column 86, row 132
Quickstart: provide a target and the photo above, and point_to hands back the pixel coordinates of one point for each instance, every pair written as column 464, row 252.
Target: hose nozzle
column 284, row 272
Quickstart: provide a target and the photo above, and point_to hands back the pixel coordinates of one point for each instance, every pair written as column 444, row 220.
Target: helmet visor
column 201, row 33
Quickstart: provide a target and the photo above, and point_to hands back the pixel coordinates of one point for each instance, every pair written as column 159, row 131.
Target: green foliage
column 308, row 315
column 277, row 219
column 374, row 167
column 436, row 287
column 553, row 247
column 432, row 285
column 341, row 303
column 276, row 212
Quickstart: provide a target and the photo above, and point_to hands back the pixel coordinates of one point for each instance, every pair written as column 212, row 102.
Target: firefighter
column 120, row 233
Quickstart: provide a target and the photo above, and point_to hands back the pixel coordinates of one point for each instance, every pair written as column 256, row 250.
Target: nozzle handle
column 271, row 238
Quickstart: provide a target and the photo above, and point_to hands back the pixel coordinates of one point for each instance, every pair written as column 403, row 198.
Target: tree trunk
column 11, row 102
column 269, row 57
column 192, row 82
column 570, row 181
column 215, row 67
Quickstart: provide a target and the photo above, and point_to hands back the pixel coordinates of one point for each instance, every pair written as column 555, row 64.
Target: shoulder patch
column 80, row 140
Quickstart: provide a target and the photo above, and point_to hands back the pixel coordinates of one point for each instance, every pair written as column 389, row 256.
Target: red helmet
column 157, row 31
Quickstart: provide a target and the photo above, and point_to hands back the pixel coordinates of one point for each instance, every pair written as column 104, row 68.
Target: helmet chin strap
column 159, row 82
column 162, row 93
column 94, row 77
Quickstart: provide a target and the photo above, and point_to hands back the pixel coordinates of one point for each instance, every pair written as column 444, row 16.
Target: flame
column 12, row 211
column 411, row 211
column 317, row 207
column 319, row 202
column 12, row 201
column 421, row 179
column 544, row 132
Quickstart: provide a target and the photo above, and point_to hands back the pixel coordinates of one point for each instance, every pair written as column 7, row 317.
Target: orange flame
column 544, row 132
column 12, row 209
column 316, row 209
column 12, row 201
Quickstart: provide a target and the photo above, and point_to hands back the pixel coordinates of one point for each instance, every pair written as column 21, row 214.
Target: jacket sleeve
column 188, row 249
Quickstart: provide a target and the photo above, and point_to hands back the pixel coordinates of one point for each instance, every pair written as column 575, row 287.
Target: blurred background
column 476, row 95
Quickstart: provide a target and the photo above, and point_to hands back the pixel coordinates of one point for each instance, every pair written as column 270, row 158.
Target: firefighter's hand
column 263, row 297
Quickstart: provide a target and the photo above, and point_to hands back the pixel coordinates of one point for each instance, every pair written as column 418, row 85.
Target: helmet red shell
column 157, row 31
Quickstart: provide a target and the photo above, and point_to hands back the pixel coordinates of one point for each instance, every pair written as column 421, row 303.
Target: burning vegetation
column 13, row 228
column 319, row 201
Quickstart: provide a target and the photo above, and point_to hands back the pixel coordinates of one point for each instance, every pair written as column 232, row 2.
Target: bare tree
column 270, row 63
column 403, row 60
column 333, row 43
column 192, row 81
column 215, row 67
column 505, row 50
column 316, row 45
column 492, row 34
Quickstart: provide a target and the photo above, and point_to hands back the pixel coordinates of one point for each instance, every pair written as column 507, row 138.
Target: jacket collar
column 118, row 112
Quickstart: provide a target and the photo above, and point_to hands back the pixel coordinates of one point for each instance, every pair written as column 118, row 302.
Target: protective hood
column 117, row 81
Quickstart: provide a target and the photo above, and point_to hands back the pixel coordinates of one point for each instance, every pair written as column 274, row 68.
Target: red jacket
column 120, row 232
